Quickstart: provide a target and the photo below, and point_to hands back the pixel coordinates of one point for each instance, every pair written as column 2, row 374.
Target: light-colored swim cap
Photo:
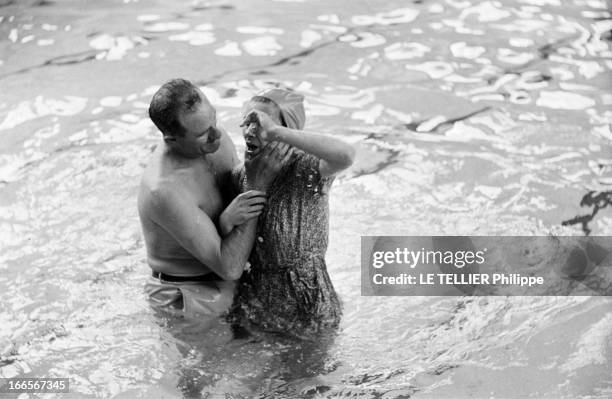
column 291, row 105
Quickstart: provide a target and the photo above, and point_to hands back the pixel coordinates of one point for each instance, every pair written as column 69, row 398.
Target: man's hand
column 245, row 206
column 260, row 124
column 263, row 168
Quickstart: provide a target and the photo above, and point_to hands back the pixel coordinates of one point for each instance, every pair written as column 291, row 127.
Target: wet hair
column 174, row 97
column 266, row 100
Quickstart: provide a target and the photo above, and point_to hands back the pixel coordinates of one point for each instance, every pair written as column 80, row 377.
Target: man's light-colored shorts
column 191, row 299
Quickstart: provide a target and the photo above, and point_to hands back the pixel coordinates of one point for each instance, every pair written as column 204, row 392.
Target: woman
column 287, row 288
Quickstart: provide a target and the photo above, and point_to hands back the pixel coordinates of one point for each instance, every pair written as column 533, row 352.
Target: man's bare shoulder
column 158, row 192
column 159, row 187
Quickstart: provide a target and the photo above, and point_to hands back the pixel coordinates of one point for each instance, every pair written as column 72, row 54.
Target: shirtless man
column 182, row 196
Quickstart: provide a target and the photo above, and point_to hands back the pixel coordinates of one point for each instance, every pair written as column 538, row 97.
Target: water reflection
column 595, row 200
column 217, row 359
column 469, row 116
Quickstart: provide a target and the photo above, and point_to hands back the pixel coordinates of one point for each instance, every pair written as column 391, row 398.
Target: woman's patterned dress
column 287, row 288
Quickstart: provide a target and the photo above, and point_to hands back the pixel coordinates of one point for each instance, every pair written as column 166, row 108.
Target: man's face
column 254, row 143
column 201, row 133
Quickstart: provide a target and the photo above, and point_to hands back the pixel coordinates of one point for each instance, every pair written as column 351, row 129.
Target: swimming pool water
column 470, row 117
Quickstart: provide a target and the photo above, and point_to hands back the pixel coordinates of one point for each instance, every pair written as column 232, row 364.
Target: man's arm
column 334, row 154
column 261, row 172
column 242, row 208
column 195, row 232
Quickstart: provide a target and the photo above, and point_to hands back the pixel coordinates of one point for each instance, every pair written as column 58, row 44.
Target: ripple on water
column 116, row 46
column 512, row 57
column 348, row 98
column 402, row 51
column 486, row 11
column 398, row 16
column 111, row 101
column 259, row 30
column 148, row 17
column 430, row 160
column 194, row 38
column 264, row 46
column 434, row 69
column 564, row 100
column 161, row 27
column 40, row 107
column 229, row 49
column 461, row 49
column 592, row 348
column 363, row 39
column 45, row 42
column 239, row 95
column 309, row 37
column 369, row 115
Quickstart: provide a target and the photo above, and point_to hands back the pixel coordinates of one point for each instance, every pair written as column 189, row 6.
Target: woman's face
column 254, row 143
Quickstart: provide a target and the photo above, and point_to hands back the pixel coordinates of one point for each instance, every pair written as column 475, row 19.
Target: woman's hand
column 261, row 124
column 244, row 207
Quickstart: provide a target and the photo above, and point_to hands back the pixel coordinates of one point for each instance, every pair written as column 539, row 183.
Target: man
column 183, row 193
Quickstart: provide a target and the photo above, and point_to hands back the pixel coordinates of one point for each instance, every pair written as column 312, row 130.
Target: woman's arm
column 335, row 154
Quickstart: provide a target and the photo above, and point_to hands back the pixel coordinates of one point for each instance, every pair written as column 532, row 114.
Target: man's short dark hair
column 173, row 97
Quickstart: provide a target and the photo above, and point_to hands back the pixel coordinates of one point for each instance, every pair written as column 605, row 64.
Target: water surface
column 470, row 117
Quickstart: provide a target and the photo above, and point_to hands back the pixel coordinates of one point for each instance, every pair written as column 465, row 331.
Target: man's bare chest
column 203, row 187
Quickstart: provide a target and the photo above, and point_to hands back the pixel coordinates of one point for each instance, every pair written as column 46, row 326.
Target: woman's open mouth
column 251, row 148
